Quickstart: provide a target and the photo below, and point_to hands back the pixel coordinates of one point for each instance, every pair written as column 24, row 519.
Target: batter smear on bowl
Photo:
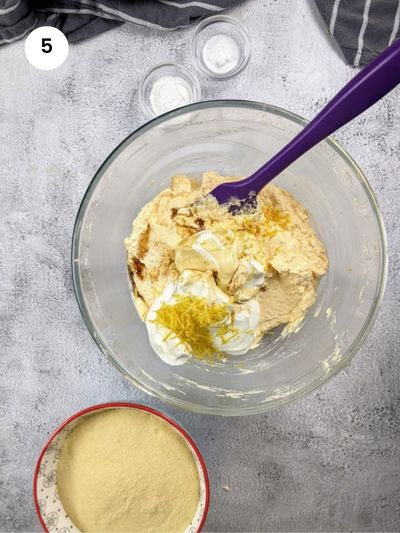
column 210, row 284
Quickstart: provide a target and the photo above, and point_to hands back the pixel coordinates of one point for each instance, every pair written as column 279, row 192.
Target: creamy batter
column 225, row 280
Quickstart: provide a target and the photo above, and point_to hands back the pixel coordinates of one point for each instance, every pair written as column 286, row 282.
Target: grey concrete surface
column 329, row 462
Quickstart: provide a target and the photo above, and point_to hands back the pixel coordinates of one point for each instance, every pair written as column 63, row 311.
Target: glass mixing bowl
column 234, row 138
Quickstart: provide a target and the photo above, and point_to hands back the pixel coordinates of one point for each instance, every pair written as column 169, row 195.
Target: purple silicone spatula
column 364, row 90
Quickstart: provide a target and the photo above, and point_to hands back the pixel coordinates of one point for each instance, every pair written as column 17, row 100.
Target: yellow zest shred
column 190, row 319
column 275, row 219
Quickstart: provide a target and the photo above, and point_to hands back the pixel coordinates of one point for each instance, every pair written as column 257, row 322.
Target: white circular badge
column 46, row 48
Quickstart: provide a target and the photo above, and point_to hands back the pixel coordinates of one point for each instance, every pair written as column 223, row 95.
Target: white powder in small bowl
column 221, row 54
column 170, row 92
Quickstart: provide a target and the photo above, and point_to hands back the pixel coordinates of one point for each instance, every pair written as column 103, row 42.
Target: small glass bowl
column 166, row 69
column 220, row 25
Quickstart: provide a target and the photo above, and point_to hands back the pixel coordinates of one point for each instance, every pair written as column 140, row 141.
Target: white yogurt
column 172, row 351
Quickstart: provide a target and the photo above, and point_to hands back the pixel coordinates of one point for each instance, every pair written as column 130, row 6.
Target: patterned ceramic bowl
column 49, row 508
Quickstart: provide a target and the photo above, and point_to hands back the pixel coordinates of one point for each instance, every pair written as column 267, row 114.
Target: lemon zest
column 190, row 319
column 275, row 220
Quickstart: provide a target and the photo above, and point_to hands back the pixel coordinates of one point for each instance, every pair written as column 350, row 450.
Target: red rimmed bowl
column 48, row 505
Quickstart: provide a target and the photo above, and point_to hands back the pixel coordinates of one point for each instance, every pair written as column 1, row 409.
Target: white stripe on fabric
column 204, row 5
column 9, row 9
column 120, row 16
column 101, row 8
column 334, row 16
column 396, row 25
column 16, row 37
column 362, row 33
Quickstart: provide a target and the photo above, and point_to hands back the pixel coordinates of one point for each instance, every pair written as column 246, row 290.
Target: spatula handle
column 364, row 90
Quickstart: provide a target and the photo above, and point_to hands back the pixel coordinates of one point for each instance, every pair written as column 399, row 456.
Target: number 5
column 46, row 46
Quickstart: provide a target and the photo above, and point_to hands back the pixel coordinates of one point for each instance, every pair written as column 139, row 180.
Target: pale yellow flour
column 126, row 470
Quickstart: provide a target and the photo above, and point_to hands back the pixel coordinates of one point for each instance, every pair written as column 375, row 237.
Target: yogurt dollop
column 209, row 250
column 250, row 276
column 234, row 335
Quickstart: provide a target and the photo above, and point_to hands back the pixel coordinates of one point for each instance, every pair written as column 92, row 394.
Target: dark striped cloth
column 362, row 28
column 79, row 19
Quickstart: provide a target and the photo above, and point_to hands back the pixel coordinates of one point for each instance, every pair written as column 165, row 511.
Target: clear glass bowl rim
column 273, row 404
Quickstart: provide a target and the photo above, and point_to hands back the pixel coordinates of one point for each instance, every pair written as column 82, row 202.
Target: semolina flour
column 127, row 470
